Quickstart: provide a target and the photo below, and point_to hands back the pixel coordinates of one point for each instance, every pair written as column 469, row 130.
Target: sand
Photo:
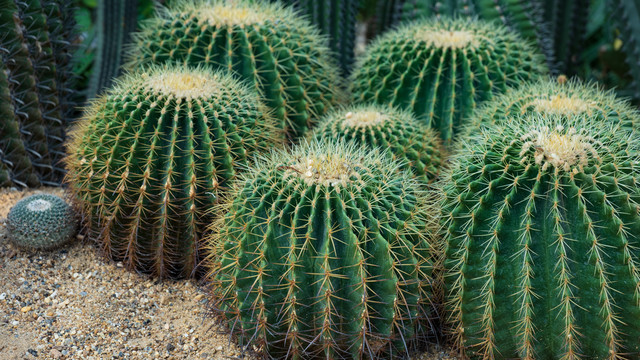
column 72, row 304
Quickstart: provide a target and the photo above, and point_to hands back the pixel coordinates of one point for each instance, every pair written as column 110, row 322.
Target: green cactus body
column 442, row 69
column 281, row 55
column 627, row 16
column 150, row 158
column 557, row 97
column 41, row 222
column 35, row 53
column 337, row 19
column 542, row 228
column 415, row 146
column 323, row 253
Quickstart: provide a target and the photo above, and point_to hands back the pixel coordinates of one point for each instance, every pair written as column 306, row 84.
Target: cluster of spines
column 411, row 143
column 305, row 264
column 415, row 68
column 337, row 19
column 285, row 58
column 151, row 157
column 565, row 230
column 36, row 40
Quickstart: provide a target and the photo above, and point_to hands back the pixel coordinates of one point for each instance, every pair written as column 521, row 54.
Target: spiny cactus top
column 36, row 100
column 415, row 146
column 558, row 97
column 542, row 231
column 272, row 48
column 149, row 159
column 323, row 252
column 441, row 69
column 42, row 222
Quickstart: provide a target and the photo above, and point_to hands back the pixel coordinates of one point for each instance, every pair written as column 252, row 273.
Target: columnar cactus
column 442, row 69
column 558, row 97
column 567, row 24
column 41, row 222
column 150, row 158
column 35, row 95
column 323, row 253
column 337, row 19
column 416, row 147
column 268, row 45
column 542, row 228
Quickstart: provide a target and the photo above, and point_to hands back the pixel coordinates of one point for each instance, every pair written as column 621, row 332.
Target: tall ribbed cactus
column 557, row 97
column 627, row 15
column 415, row 146
column 337, row 19
column 151, row 157
column 323, row 253
column 281, row 55
column 35, row 97
column 542, row 228
column 567, row 23
column 442, row 69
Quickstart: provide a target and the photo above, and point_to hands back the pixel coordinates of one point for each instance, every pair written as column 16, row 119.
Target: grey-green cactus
column 442, row 69
column 152, row 156
column 41, row 222
column 542, row 226
column 36, row 39
column 266, row 44
column 324, row 253
column 415, row 146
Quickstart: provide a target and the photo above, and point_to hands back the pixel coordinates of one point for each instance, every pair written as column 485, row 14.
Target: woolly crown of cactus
column 324, row 252
column 541, row 224
column 266, row 44
column 153, row 155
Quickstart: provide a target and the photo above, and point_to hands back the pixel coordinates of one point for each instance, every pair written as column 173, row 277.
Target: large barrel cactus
column 268, row 45
column 416, row 147
column 323, row 253
column 558, row 97
column 337, row 19
column 151, row 157
column 442, row 69
column 542, row 228
column 35, row 98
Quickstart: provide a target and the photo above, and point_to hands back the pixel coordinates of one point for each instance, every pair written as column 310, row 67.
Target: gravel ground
column 70, row 304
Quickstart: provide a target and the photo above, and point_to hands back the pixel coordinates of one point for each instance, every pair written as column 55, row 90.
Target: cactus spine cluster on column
column 409, row 142
column 442, row 69
column 150, row 158
column 542, row 229
column 323, row 253
column 35, row 98
column 337, row 19
column 268, row 45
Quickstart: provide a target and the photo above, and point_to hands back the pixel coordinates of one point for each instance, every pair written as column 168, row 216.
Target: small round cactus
column 417, row 147
column 324, row 253
column 41, row 222
column 151, row 157
column 266, row 44
column 542, row 227
column 442, row 69
column 558, row 97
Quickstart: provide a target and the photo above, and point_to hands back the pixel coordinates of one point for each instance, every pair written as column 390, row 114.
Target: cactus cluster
column 41, row 222
column 323, row 252
column 151, row 156
column 36, row 39
column 413, row 145
column 558, row 97
column 442, row 69
column 541, row 226
column 266, row 44
column 337, row 19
